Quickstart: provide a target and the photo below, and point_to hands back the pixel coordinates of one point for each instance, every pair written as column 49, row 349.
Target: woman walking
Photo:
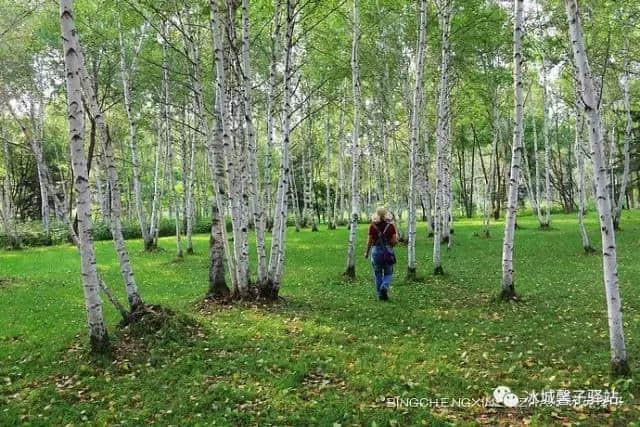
column 382, row 238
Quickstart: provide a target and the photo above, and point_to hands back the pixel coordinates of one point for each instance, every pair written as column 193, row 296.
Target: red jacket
column 376, row 228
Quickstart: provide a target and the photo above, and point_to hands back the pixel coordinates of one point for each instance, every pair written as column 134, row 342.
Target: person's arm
column 369, row 243
column 394, row 237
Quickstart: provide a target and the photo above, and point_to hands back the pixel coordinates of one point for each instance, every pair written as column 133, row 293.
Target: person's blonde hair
column 381, row 214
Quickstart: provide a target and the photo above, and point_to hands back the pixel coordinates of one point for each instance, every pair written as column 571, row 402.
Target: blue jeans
column 382, row 273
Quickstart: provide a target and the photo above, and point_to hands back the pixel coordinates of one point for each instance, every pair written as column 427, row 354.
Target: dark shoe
column 383, row 294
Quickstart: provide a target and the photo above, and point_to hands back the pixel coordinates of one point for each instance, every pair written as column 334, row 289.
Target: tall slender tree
column 591, row 105
column 416, row 113
column 508, row 287
column 355, row 143
column 98, row 336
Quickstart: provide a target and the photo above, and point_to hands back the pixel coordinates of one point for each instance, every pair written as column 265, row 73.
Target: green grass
column 331, row 351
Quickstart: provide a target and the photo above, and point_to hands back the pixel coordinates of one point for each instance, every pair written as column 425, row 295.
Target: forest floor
column 330, row 353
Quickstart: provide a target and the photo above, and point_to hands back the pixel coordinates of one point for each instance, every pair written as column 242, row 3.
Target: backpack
column 383, row 256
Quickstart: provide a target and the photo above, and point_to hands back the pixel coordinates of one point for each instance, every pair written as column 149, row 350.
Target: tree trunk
column 579, row 147
column 415, row 137
column 241, row 288
column 628, row 135
column 189, row 184
column 277, row 254
column 275, row 40
column 590, row 103
column 132, row 118
column 254, row 187
column 156, row 202
column 115, row 213
column 547, row 150
column 329, row 217
column 442, row 138
column 355, row 150
column 508, row 289
column 339, row 202
column 97, row 329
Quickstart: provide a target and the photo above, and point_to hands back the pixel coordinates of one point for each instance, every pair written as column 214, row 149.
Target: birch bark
column 255, row 191
column 508, row 289
column 628, row 135
column 127, row 74
column 271, row 93
column 547, row 150
column 619, row 363
column 168, row 139
column 277, row 253
column 535, row 185
column 442, row 125
column 579, row 153
column 329, row 217
column 233, row 178
column 98, row 336
column 415, row 137
column 115, row 205
column 355, row 150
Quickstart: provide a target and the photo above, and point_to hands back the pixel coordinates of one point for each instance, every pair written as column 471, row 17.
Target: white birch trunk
column 628, row 135
column 97, row 329
column 355, row 150
column 578, row 149
column 339, row 203
column 132, row 118
column 156, row 202
column 508, row 290
column 189, row 211
column 447, row 196
column 115, row 205
column 256, row 199
column 415, row 138
column 233, row 176
column 590, row 102
column 442, row 125
column 329, row 216
column 168, row 140
column 547, row 150
column 535, row 185
column 271, row 92
column 277, row 253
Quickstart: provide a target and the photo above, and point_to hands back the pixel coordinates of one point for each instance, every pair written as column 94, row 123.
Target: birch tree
column 255, row 192
column 115, row 202
column 98, row 336
column 271, row 93
column 508, row 289
column 168, row 139
column 338, row 206
column 547, row 150
column 233, row 181
column 582, row 198
column 329, row 216
column 628, row 135
column 127, row 72
column 415, row 136
column 442, row 136
column 355, row 140
column 535, row 185
column 271, row 288
column 591, row 107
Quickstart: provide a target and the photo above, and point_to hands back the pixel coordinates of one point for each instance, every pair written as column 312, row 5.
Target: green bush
column 33, row 234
